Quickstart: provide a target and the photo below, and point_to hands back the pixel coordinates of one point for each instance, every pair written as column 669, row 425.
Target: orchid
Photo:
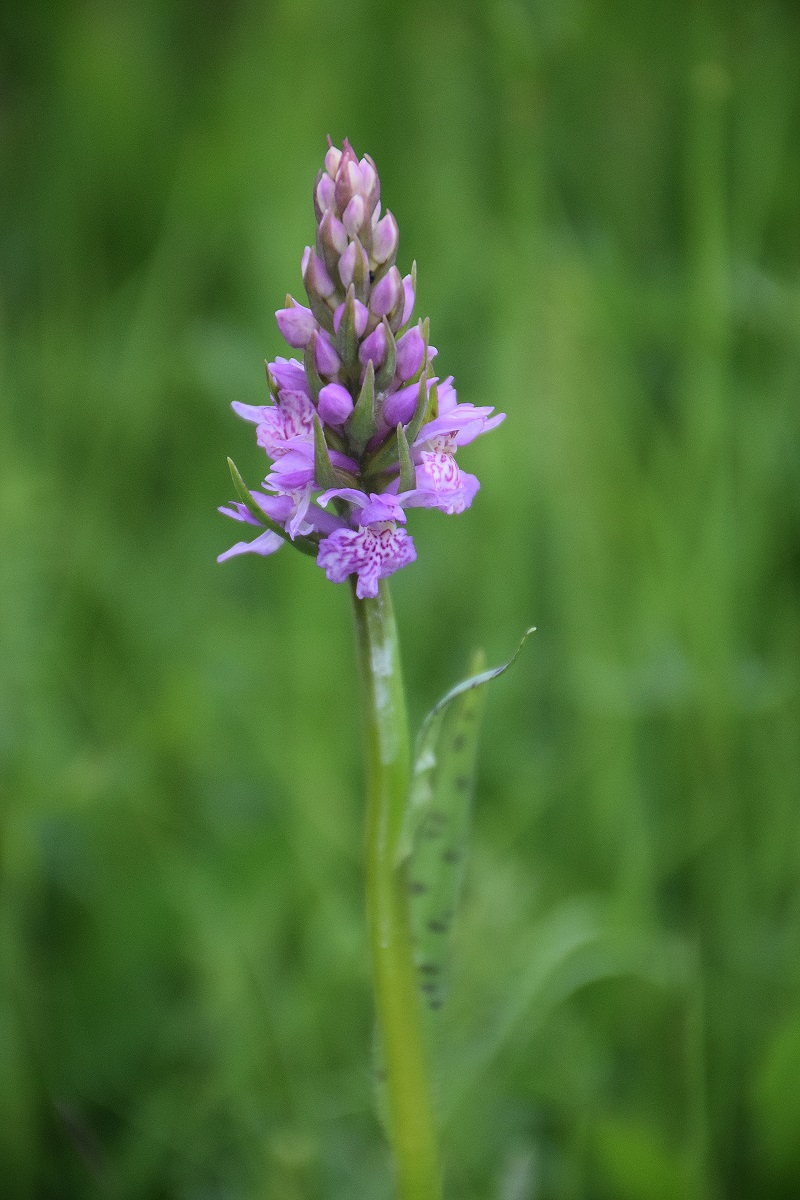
column 356, row 433
column 387, row 425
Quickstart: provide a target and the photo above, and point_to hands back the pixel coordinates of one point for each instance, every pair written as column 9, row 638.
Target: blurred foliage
column 602, row 199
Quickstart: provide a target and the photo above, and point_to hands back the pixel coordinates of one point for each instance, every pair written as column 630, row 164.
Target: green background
column 602, row 199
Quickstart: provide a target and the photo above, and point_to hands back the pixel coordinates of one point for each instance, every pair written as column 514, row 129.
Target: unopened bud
column 335, row 404
column 386, row 293
column 373, row 348
column 362, row 316
column 316, row 277
column 331, row 241
column 326, row 360
column 385, row 239
column 324, row 194
column 353, row 216
column 399, row 407
column 354, row 268
column 296, row 323
column 410, row 351
column 348, row 177
column 370, row 185
column 332, row 160
column 409, row 293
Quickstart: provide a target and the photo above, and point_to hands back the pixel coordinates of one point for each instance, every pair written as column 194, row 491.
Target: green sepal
column 408, row 473
column 315, row 381
column 433, row 845
column 424, row 401
column 361, row 273
column 385, row 375
column 361, row 423
column 347, row 339
column 304, row 544
column 272, row 383
column 324, row 475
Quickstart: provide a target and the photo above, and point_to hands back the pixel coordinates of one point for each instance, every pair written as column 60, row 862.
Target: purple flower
column 442, row 484
column 371, row 552
column 289, row 375
column 295, row 467
column 459, row 423
column 266, row 543
column 377, row 506
column 280, row 424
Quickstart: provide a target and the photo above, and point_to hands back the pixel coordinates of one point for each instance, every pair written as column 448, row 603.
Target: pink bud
column 400, row 406
column 371, row 189
column 373, row 348
column 332, row 160
column 362, row 316
column 325, row 193
column 410, row 349
column 333, row 233
column 348, row 176
column 386, row 293
column 408, row 307
column 326, row 360
column 353, row 216
column 385, row 238
column 297, row 324
column 348, row 264
column 369, row 176
column 316, row 277
column 335, row 404
column 353, row 173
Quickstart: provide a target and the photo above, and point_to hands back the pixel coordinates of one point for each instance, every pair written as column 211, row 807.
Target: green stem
column 410, row 1113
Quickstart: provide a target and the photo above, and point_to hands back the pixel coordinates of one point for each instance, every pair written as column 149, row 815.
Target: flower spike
column 362, row 417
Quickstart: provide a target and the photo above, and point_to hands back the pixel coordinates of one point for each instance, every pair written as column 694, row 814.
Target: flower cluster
column 361, row 429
